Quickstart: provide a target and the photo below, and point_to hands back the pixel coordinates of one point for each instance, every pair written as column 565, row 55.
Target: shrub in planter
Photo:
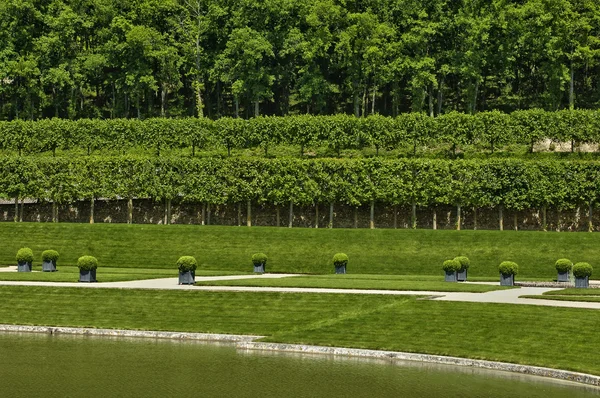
column 87, row 268
column 24, row 259
column 508, row 270
column 451, row 267
column 582, row 272
column 340, row 260
column 563, row 267
column 464, row 261
column 187, row 270
column 260, row 261
column 49, row 258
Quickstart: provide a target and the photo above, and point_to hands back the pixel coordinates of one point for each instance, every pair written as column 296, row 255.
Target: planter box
column 507, row 280
column 450, row 276
column 563, row 277
column 24, row 267
column 340, row 269
column 48, row 266
column 582, row 282
column 187, row 278
column 461, row 276
column 87, row 276
column 259, row 268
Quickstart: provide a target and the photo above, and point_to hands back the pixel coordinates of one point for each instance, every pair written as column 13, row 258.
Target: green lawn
column 362, row 281
column 544, row 336
column 570, row 294
column 104, row 274
column 300, row 250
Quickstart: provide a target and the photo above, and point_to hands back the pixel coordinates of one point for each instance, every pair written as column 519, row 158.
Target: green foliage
column 259, row 259
column 340, row 259
column 451, row 265
column 464, row 261
column 187, row 264
column 87, row 263
column 581, row 270
column 508, row 268
column 25, row 255
column 563, row 265
column 50, row 255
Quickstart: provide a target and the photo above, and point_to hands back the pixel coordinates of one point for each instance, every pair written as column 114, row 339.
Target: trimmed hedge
column 50, row 255
column 508, row 268
column 581, row 270
column 340, row 259
column 187, row 264
column 25, row 255
column 464, row 261
column 563, row 265
column 259, row 259
column 87, row 263
column 451, row 265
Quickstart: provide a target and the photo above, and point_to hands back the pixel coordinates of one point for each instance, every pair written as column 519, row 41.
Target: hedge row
column 512, row 183
column 489, row 130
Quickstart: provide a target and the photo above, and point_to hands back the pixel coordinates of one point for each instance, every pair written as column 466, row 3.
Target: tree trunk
column 590, row 219
column 316, row 215
column 501, row 218
column 256, row 109
column 572, row 88
column 92, row 201
column 356, row 217
column 434, row 219
column 22, row 209
column 430, row 95
column 458, row 217
column 277, row 216
column 413, row 216
column 163, row 99
column 54, row 212
column 475, row 218
column 239, row 214
column 373, row 101
column 516, row 223
column 168, row 212
column 440, row 95
column 395, row 217
column 237, row 107
column 130, row 211
column 16, row 217
column 372, row 216
column 199, row 104
column 544, row 220
column 291, row 221
column 208, row 212
column 249, row 214
column 356, row 100
column 203, row 219
column 330, row 215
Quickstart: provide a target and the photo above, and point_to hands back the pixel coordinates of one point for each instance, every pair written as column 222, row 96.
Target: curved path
column 509, row 296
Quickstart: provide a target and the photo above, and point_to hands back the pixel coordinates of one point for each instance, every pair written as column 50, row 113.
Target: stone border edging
column 128, row 333
column 440, row 359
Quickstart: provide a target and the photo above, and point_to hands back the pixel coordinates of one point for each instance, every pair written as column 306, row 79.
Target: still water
column 33, row 365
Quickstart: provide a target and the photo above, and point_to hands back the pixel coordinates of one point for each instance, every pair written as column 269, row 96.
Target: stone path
column 509, row 296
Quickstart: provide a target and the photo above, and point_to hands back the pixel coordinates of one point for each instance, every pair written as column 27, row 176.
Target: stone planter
column 340, row 269
column 24, row 266
column 187, row 277
column 259, row 268
column 507, row 280
column 563, row 277
column 461, row 276
column 582, row 282
column 48, row 266
column 87, row 275
column 451, row 276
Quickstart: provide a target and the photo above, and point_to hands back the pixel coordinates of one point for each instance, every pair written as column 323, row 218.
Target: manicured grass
column 570, row 294
column 104, row 274
column 300, row 250
column 589, row 299
column 381, row 282
column 532, row 335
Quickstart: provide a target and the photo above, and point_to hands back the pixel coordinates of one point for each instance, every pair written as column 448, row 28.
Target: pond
column 59, row 366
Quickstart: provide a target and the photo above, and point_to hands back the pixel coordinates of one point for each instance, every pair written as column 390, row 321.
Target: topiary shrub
column 340, row 259
column 50, row 255
column 451, row 265
column 25, row 255
column 464, row 262
column 508, row 268
column 87, row 263
column 187, row 264
column 581, row 270
column 259, row 259
column 563, row 265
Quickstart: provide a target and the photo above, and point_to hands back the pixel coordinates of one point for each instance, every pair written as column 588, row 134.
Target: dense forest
column 171, row 58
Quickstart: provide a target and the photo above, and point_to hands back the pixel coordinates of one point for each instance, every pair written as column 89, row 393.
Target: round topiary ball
column 464, row 262
column 581, row 270
column 25, row 255
column 87, row 263
column 508, row 268
column 451, row 265
column 340, row 259
column 259, row 259
column 187, row 264
column 50, row 255
column 563, row 265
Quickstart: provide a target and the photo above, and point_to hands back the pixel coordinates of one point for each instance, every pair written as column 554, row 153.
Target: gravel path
column 509, row 296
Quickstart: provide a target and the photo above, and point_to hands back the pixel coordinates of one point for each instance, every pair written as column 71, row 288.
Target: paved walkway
column 509, row 296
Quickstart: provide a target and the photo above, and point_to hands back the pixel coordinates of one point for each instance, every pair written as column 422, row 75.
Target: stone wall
column 146, row 211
